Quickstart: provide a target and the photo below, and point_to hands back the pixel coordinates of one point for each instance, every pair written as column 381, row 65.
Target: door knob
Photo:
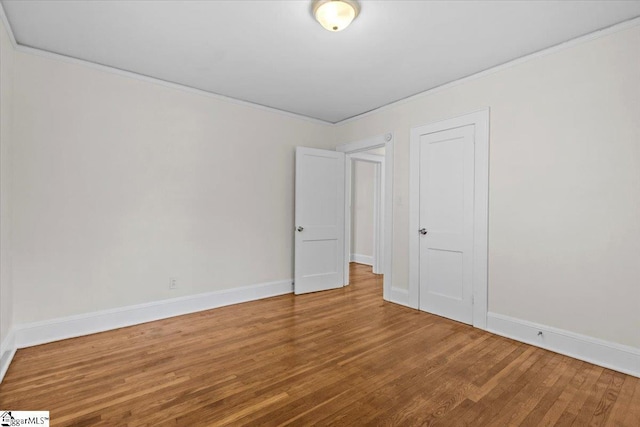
column 300, row 228
column 423, row 231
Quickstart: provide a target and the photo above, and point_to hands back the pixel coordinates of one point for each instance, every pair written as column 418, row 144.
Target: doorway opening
column 367, row 206
column 378, row 153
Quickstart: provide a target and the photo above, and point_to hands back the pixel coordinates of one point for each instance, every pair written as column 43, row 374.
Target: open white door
column 319, row 212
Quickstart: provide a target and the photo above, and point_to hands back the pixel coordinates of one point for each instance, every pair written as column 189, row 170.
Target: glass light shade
column 335, row 15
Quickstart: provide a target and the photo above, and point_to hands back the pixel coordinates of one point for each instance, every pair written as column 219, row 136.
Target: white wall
column 6, row 89
column 564, row 229
column 362, row 208
column 120, row 184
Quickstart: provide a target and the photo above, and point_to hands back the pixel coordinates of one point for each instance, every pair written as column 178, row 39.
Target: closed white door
column 319, row 212
column 446, row 192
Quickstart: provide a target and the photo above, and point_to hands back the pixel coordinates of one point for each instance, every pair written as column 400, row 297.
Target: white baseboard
column 31, row 334
column 362, row 259
column 607, row 354
column 7, row 351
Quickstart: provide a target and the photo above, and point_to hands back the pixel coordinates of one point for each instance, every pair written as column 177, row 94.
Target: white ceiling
column 273, row 53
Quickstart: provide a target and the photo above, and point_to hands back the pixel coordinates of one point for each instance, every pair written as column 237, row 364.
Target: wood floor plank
column 523, row 402
column 430, row 404
column 340, row 357
column 558, row 407
column 505, row 392
column 399, row 392
column 579, row 397
column 596, row 394
column 537, row 415
column 623, row 402
column 632, row 417
column 610, row 396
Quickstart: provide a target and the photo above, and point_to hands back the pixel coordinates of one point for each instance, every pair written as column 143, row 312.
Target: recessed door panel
column 445, row 183
column 444, row 271
column 319, row 257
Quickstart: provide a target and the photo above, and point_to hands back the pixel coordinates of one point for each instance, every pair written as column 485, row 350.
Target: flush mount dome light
column 335, row 15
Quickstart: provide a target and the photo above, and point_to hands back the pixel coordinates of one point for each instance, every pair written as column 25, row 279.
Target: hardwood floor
column 341, row 357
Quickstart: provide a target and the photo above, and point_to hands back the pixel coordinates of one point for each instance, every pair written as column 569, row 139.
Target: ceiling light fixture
column 335, row 15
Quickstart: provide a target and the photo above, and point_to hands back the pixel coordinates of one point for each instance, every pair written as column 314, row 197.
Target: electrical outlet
column 173, row 283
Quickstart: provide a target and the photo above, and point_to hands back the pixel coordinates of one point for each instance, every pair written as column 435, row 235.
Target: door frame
column 390, row 293
column 480, row 121
column 378, row 207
